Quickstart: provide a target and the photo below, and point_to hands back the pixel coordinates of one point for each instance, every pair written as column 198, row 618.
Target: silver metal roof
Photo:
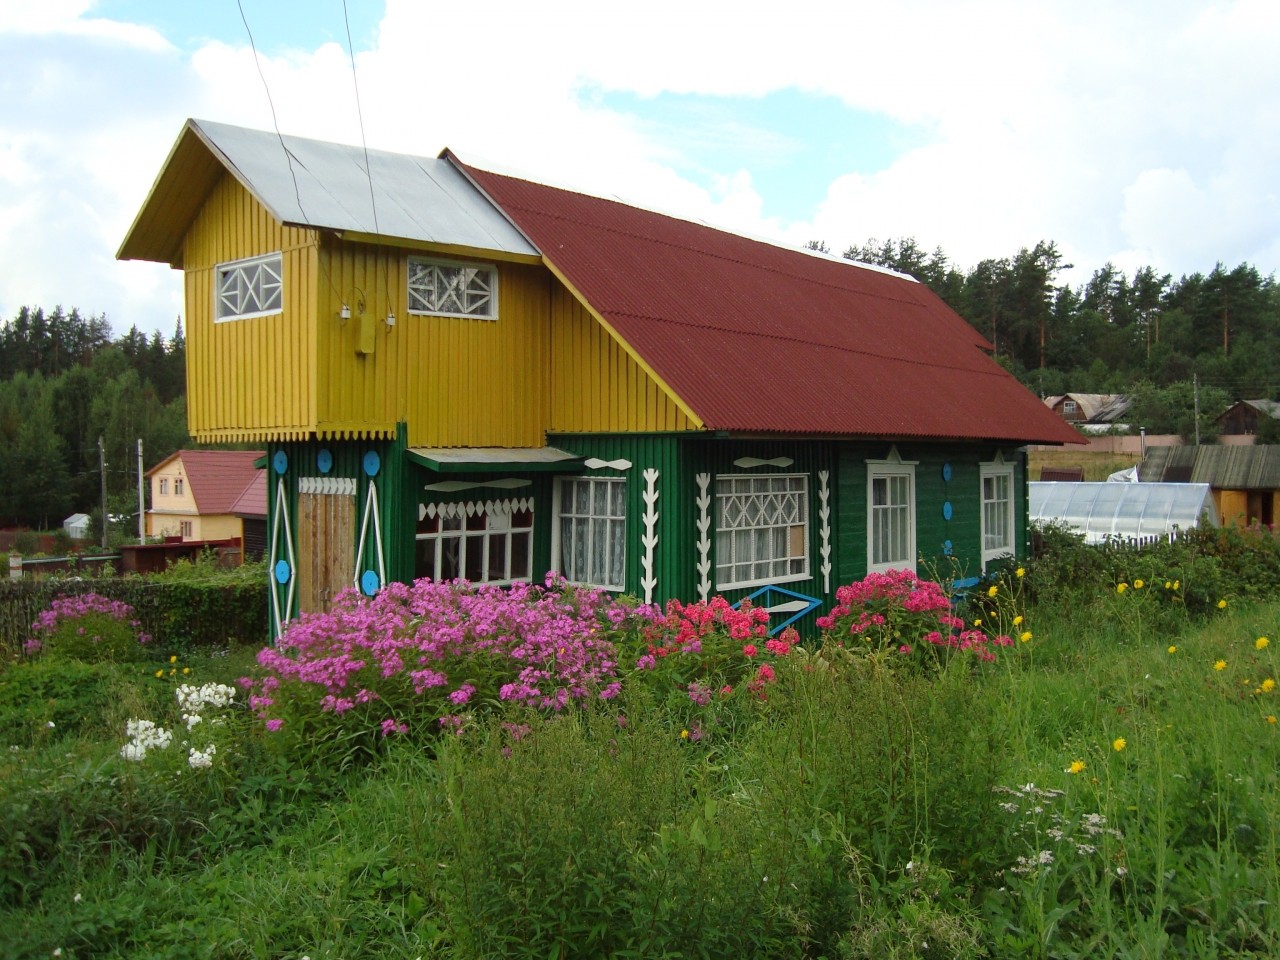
column 324, row 185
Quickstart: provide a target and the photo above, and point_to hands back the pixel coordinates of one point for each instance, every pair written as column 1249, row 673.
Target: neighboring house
column 1245, row 480
column 1243, row 416
column 194, row 493
column 76, row 526
column 460, row 374
column 251, row 508
column 1099, row 411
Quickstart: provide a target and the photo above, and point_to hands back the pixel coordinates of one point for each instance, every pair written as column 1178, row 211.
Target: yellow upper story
column 288, row 337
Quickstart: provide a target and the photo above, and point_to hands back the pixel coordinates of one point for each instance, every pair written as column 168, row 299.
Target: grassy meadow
column 1099, row 780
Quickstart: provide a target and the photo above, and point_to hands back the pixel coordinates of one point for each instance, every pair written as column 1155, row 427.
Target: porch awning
column 495, row 459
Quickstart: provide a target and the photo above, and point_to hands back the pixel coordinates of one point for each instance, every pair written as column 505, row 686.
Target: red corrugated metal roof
column 218, row 477
column 758, row 338
column 252, row 501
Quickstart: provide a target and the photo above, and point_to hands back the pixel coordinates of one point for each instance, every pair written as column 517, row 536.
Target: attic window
column 250, row 288
column 446, row 289
column 1068, row 406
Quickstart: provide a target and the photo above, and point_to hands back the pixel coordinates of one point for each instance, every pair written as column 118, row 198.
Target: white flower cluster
column 202, row 759
column 195, row 699
column 1038, row 819
column 144, row 735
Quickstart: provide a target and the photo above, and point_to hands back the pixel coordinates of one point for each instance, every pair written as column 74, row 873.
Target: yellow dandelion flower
column 1118, row 744
column 1121, row 587
column 172, row 672
column 1177, row 584
column 1222, row 604
column 1271, row 718
column 1026, row 635
column 1173, row 648
column 1020, row 572
column 992, row 590
column 1017, row 621
column 1168, row 585
column 684, row 734
column 1077, row 766
column 1261, row 643
column 173, row 659
column 185, row 671
column 1139, row 584
column 159, row 673
column 1267, row 685
column 1220, row 665
column 978, row 622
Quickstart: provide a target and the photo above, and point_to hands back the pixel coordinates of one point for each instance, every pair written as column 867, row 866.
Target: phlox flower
column 749, row 650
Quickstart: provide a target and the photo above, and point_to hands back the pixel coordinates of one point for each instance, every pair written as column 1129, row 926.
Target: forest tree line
column 65, row 382
column 1213, row 337
column 1209, row 338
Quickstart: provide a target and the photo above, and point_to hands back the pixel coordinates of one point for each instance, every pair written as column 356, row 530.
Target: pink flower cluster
column 434, row 647
column 83, row 605
column 896, row 610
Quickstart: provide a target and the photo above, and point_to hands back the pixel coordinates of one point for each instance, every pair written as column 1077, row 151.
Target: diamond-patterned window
column 250, row 288
column 446, row 289
column 762, row 529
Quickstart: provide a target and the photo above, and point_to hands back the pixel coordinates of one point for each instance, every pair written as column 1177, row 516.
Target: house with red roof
column 196, row 494
column 458, row 373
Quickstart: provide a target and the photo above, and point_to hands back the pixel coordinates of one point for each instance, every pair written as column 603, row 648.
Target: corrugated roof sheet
column 252, row 501
column 218, row 477
column 1222, row 467
column 759, row 338
column 317, row 184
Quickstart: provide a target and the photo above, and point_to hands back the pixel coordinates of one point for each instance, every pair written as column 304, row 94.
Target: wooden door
column 326, row 548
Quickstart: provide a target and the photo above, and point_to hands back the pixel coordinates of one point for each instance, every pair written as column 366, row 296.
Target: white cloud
column 1140, row 132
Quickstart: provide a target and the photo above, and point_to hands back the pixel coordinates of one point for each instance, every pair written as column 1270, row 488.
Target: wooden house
column 461, row 374
column 194, row 494
column 1244, row 417
column 1245, row 480
column 1097, row 410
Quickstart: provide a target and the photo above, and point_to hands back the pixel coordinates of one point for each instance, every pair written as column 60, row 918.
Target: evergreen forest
column 1175, row 345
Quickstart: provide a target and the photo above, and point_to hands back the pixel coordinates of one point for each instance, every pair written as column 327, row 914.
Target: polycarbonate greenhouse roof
column 1102, row 511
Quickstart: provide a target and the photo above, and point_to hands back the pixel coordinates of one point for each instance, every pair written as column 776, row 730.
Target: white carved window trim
column 447, row 288
column 996, row 509
column 762, row 529
column 474, row 530
column 253, row 287
column 892, row 481
column 602, row 520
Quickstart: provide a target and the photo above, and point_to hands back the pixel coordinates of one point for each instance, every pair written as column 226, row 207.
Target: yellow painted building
column 193, row 493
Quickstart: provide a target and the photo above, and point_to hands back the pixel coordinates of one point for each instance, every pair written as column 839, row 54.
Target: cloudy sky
column 1140, row 132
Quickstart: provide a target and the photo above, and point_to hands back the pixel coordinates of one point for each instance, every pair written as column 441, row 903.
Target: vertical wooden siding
column 454, row 381
column 248, row 379
column 596, row 386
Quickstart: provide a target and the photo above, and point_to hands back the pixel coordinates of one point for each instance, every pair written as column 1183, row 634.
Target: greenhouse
column 1122, row 511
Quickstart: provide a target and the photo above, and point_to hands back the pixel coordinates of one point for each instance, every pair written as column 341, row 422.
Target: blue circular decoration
column 372, row 463
column 282, row 571
column 369, row 583
column 324, row 461
column 946, row 473
column 280, row 462
column 946, row 547
column 946, row 510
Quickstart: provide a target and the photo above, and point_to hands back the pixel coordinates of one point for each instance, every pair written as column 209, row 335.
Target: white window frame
column 252, row 297
column 892, row 467
column 164, row 486
column 725, row 493
column 184, row 529
column 596, row 524
column 469, row 271
column 497, row 524
column 1068, row 406
column 996, row 470
column 178, row 487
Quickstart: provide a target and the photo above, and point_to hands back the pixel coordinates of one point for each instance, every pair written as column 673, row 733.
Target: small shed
column 1131, row 512
column 76, row 526
column 1245, row 480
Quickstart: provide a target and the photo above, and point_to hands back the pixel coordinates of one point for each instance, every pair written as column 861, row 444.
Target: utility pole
column 102, row 474
column 142, row 503
column 1195, row 393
